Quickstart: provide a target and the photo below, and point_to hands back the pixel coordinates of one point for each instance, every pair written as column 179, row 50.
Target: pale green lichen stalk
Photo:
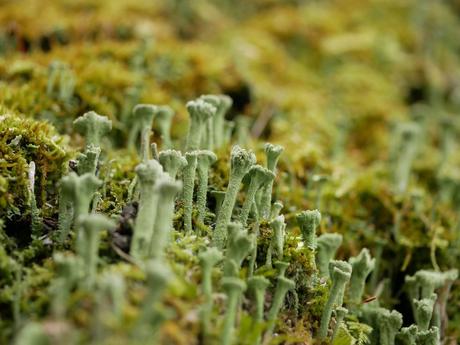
column 340, row 313
column 199, row 111
column 158, row 276
column 362, row 266
column 69, row 270
column 256, row 232
column 238, row 247
column 78, row 191
column 166, row 189
column 282, row 287
column 163, row 119
column 327, row 246
column 345, row 267
column 66, row 210
column 92, row 225
column 61, row 81
column 188, row 178
column 242, row 129
column 53, row 73
column 257, row 287
column 319, row 182
column 273, row 153
column 93, row 127
column 113, row 286
column 258, row 177
column 143, row 115
column 241, row 161
column 208, row 259
column 278, row 227
column 228, row 131
column 207, row 139
column 154, row 151
column 406, row 152
column 219, row 120
column 204, row 161
column 148, row 173
column 340, row 277
column 233, row 287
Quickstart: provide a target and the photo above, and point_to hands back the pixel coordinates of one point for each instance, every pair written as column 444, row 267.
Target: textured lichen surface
column 141, row 203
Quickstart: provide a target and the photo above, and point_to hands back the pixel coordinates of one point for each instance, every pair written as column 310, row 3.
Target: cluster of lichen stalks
column 171, row 179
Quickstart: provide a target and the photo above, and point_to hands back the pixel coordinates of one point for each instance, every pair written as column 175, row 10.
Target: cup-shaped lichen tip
column 172, row 162
column 149, row 171
column 93, row 126
column 424, row 311
column 241, row 160
column 362, row 265
column 273, row 153
column 144, row 113
column 327, row 247
column 210, row 256
column 308, row 221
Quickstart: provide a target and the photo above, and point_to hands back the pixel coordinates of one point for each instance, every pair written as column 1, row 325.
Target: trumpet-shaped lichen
column 273, row 153
column 241, row 161
column 340, row 275
column 148, row 174
column 361, row 265
column 258, row 177
column 144, row 114
column 93, row 127
column 208, row 259
column 92, row 225
column 233, row 288
column 166, row 189
column 424, row 311
column 204, row 160
column 308, row 222
column 172, row 162
column 189, row 173
column 78, row 191
column 327, row 247
column 200, row 111
column 238, row 247
column 389, row 324
column 283, row 285
column 163, row 119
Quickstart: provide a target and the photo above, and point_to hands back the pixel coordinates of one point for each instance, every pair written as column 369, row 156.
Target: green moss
column 327, row 80
column 23, row 141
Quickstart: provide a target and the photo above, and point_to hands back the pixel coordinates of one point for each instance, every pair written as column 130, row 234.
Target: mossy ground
column 330, row 81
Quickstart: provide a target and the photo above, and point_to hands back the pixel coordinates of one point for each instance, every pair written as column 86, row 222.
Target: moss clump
column 327, row 80
column 23, row 141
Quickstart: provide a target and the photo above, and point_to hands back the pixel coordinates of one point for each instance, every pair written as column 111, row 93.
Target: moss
column 27, row 140
column 327, row 80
